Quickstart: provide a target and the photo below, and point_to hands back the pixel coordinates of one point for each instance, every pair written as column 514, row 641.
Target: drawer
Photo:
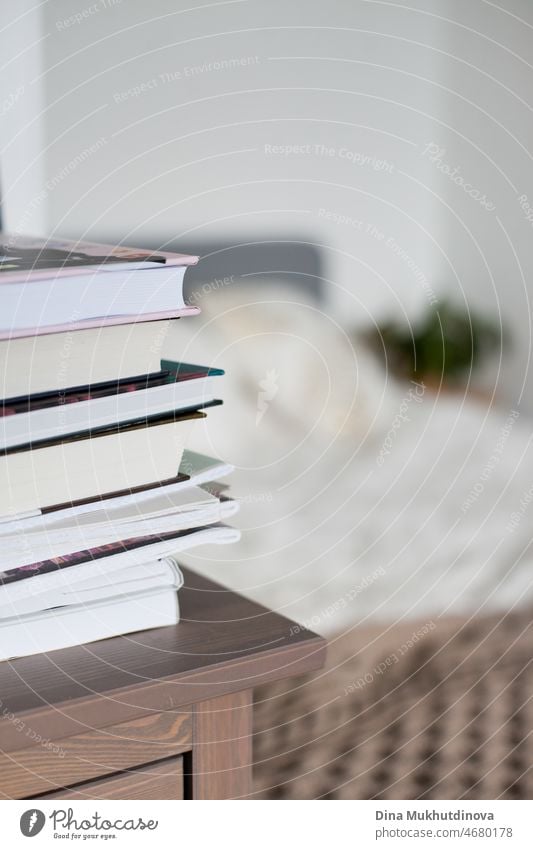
column 92, row 754
column 163, row 780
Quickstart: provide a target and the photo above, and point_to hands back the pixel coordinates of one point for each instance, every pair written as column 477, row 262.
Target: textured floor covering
column 431, row 710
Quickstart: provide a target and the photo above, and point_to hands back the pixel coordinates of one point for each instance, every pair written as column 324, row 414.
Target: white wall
column 185, row 153
column 487, row 129
column 189, row 153
column 22, row 104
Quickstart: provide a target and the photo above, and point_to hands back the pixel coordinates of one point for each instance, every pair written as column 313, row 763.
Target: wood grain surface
column 94, row 753
column 157, row 781
column 224, row 643
column 222, row 747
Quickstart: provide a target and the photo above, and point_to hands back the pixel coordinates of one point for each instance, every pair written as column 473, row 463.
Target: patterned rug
column 435, row 710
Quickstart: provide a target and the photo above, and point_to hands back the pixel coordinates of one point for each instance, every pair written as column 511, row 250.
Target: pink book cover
column 27, row 258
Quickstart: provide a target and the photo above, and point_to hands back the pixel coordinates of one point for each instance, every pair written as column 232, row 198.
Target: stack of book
column 99, row 493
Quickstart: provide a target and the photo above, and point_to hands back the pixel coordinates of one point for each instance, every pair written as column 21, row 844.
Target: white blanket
column 360, row 496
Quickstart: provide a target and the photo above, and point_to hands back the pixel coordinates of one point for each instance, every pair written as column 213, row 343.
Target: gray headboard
column 300, row 264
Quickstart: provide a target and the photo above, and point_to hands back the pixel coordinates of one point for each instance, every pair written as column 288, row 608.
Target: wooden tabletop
column 224, row 643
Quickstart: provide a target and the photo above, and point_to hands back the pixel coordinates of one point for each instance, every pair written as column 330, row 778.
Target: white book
column 77, row 624
column 50, row 303
column 163, row 516
column 64, row 419
column 51, row 283
column 157, row 574
column 78, row 469
column 54, row 361
column 199, row 469
column 49, row 576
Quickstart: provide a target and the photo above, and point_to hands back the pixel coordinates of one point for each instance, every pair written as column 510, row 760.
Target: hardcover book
column 30, row 258
column 48, row 285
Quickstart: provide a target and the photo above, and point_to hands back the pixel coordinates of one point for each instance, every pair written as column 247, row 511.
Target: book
column 100, row 494
column 76, row 624
column 180, row 387
column 194, row 470
column 17, row 583
column 93, row 587
column 187, row 509
column 50, row 362
column 92, row 463
column 51, row 284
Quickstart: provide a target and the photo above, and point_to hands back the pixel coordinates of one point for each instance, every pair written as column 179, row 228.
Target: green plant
column 444, row 345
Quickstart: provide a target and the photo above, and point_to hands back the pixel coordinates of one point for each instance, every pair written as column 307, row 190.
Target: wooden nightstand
column 163, row 714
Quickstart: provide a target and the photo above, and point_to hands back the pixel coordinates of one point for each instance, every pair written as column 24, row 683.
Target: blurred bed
column 361, row 497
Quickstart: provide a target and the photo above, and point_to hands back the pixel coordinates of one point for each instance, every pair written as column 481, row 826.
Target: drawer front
column 157, row 781
column 90, row 755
